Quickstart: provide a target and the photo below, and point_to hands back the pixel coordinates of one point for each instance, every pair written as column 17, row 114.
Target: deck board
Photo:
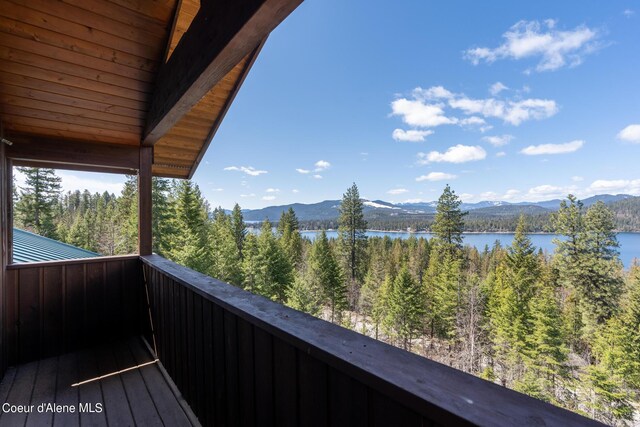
column 139, row 396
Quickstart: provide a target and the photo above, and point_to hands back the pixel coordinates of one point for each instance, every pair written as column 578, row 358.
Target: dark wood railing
column 240, row 359
column 61, row 306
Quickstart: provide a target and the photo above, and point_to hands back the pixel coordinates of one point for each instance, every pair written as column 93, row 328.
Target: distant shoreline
column 464, row 232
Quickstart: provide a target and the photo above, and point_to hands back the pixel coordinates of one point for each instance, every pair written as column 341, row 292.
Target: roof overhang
column 106, row 74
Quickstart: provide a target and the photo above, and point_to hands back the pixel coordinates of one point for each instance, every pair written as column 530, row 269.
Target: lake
column 629, row 242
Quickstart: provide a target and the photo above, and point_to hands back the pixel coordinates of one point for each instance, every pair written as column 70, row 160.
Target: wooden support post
column 144, row 202
column 220, row 35
column 5, row 244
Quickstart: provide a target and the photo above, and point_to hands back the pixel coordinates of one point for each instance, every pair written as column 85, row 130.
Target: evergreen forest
column 562, row 327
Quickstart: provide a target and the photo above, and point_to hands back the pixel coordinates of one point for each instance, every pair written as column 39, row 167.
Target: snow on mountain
column 378, row 205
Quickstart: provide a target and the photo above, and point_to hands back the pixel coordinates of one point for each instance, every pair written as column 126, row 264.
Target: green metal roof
column 29, row 247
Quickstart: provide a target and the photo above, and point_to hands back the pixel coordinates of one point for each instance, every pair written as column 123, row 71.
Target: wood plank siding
column 87, row 71
column 240, row 359
column 67, row 63
column 57, row 307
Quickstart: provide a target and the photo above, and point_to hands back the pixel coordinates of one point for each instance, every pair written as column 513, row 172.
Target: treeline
column 626, row 219
column 564, row 328
column 474, row 222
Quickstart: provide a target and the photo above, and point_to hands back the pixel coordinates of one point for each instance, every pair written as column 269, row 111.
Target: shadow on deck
column 120, row 384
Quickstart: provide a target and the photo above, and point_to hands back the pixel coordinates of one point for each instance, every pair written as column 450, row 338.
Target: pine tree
column 305, row 296
column 161, row 225
column 448, row 223
column 352, row 227
column 510, row 315
column 38, row 198
column 546, row 352
column 274, row 275
column 250, row 263
column 127, row 212
column 507, row 329
column 191, row 225
column 226, row 263
column 239, row 228
column 290, row 239
column 523, row 267
column 606, row 400
column 445, row 293
column 406, row 307
column 370, row 292
column 588, row 262
column 325, row 272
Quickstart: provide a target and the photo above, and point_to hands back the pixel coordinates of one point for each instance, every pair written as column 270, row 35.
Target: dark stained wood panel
column 66, row 306
column 272, row 365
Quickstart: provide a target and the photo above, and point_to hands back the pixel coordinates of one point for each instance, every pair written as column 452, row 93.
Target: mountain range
column 379, row 209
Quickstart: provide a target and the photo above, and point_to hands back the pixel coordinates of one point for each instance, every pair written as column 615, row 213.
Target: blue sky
column 512, row 101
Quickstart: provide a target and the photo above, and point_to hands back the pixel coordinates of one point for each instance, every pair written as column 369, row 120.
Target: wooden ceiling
column 86, row 70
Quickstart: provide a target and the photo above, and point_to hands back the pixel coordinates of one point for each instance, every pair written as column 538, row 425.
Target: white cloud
column 547, row 191
column 273, row 190
column 510, row 194
column 417, row 113
column 628, row 13
column 411, row 135
column 248, row 195
column 434, row 92
column 322, row 165
column 625, row 186
column 268, row 198
column 496, row 88
column 512, row 112
column 476, row 121
column 532, row 39
column 249, row 170
column 569, row 147
column 395, row 191
column 631, row 134
column 217, row 190
column 94, row 182
column 491, row 196
column 501, row 154
column 498, row 141
column 435, row 176
column 456, row 154
column 303, row 171
column 317, row 176
column 423, row 110
column 295, row 191
column 577, row 178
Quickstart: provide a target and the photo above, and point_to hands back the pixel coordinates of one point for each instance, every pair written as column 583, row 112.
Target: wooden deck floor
column 141, row 396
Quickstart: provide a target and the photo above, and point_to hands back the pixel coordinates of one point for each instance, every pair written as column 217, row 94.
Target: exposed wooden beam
column 225, row 108
column 222, row 33
column 66, row 166
column 145, row 216
column 67, row 153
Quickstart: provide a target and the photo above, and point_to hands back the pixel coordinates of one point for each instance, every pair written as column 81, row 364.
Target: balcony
column 235, row 358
